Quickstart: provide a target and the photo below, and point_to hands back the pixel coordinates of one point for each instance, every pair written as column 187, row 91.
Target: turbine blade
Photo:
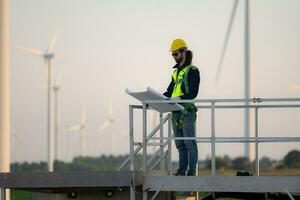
column 294, row 88
column 111, row 110
column 31, row 51
column 40, row 86
column 228, row 33
column 75, row 127
column 53, row 39
column 83, row 115
column 104, row 125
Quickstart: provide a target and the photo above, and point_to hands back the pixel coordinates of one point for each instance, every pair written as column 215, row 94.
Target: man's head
column 179, row 56
column 179, row 49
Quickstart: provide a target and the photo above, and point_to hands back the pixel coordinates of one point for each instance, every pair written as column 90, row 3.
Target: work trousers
column 187, row 149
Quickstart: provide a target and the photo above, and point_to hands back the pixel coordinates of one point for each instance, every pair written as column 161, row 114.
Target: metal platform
column 59, row 182
column 93, row 185
column 255, row 184
column 73, row 185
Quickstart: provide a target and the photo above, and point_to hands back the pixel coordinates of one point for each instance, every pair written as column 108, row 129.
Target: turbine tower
column 4, row 90
column 248, row 115
column 14, row 138
column 56, row 88
column 81, row 127
column 48, row 55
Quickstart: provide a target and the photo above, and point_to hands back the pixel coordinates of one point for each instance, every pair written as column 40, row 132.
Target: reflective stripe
column 179, row 79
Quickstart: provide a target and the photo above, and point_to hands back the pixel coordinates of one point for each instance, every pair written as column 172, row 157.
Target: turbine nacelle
column 55, row 88
column 48, row 56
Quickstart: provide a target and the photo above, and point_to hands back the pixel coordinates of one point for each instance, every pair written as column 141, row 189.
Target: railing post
column 162, row 159
column 131, row 153
column 170, row 145
column 3, row 194
column 213, row 139
column 256, row 143
column 144, row 145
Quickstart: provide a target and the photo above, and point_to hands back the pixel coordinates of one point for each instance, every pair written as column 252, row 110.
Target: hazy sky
column 106, row 46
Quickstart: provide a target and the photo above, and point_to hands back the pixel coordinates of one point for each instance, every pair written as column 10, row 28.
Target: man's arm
column 193, row 84
column 169, row 91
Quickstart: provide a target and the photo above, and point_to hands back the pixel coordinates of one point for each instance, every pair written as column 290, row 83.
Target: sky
column 106, row 46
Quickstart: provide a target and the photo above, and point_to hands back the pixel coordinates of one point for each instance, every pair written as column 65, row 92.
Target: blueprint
column 151, row 94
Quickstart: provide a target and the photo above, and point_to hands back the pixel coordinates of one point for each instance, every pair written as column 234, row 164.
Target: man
column 184, row 85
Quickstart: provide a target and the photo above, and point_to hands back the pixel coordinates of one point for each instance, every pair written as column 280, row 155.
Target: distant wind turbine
column 15, row 136
column 47, row 56
column 81, row 127
column 110, row 122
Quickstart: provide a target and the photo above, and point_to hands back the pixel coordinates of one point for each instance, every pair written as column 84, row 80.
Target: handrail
column 253, row 100
column 151, row 134
column 213, row 105
column 156, row 154
column 233, row 139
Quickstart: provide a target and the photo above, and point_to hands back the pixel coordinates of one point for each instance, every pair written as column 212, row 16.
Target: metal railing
column 213, row 105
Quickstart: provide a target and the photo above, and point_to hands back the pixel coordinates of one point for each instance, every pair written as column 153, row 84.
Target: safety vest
column 179, row 79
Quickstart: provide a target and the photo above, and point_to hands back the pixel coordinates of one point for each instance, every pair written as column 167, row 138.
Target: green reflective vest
column 179, row 79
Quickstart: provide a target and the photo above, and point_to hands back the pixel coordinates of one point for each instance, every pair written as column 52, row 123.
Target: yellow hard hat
column 178, row 44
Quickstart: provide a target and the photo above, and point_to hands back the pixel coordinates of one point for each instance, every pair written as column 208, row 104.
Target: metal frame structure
column 146, row 184
column 167, row 183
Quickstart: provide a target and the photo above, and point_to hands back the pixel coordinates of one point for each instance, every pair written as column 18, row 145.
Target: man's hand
column 174, row 99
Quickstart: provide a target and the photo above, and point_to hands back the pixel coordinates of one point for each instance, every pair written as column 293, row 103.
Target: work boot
column 178, row 174
column 188, row 194
column 189, row 174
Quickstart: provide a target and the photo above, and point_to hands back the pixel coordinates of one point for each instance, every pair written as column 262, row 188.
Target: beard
column 178, row 60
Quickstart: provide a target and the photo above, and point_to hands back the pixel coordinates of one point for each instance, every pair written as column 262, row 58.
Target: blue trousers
column 187, row 149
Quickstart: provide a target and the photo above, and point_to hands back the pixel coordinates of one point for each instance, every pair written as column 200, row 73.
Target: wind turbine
column 81, row 127
column 110, row 122
column 15, row 136
column 247, row 89
column 67, row 144
column 47, row 56
column 55, row 89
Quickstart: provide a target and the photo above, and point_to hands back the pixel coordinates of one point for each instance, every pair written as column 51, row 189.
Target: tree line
column 109, row 163
column 290, row 160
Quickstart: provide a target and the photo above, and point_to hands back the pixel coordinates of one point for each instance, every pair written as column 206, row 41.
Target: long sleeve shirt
column 193, row 84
